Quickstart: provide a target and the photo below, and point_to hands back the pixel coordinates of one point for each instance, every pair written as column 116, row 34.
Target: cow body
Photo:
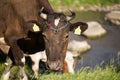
column 16, row 31
column 14, row 15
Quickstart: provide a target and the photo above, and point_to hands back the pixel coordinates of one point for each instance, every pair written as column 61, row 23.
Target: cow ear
column 78, row 27
column 34, row 26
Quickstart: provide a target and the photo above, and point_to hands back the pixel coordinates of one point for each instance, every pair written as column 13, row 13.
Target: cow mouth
column 54, row 67
column 54, row 71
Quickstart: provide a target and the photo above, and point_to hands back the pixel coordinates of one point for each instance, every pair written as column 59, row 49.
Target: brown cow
column 14, row 27
column 55, row 33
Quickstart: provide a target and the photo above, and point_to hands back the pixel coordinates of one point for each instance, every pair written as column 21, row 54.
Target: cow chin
column 55, row 65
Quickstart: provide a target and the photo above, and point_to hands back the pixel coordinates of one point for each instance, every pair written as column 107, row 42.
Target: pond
column 103, row 50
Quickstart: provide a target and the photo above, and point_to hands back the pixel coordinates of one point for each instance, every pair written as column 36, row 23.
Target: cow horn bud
column 43, row 15
column 70, row 17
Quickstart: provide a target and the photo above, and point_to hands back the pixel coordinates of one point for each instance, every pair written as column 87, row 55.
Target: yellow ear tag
column 36, row 28
column 77, row 31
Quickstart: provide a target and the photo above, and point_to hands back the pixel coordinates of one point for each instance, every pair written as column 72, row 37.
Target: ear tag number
column 77, row 31
column 36, row 28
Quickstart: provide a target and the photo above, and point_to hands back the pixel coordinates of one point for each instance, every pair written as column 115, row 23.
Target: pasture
column 109, row 73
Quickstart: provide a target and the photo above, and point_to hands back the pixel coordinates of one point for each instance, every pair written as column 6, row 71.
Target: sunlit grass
column 108, row 73
column 76, row 4
column 82, row 2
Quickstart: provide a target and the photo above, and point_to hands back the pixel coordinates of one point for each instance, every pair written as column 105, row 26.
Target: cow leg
column 6, row 72
column 35, row 64
column 35, row 67
column 18, row 54
column 22, row 73
column 36, row 59
column 23, row 76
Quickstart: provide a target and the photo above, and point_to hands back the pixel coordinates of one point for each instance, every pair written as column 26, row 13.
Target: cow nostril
column 54, row 66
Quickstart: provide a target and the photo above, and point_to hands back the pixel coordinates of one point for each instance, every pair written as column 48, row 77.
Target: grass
column 98, row 74
column 76, row 4
column 109, row 73
column 83, row 2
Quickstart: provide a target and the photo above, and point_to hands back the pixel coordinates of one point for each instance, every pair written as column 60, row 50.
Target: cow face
column 56, row 32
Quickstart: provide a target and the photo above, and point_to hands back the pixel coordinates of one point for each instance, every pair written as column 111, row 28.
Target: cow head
column 55, row 31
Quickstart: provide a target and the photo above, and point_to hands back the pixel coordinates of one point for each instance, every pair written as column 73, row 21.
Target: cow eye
column 66, row 36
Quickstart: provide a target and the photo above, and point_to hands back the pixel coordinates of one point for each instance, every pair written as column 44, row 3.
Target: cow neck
column 54, row 29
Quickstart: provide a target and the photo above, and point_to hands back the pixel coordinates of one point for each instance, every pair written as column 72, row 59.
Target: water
column 103, row 50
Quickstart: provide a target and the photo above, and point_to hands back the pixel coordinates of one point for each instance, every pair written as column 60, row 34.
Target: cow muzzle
column 55, row 65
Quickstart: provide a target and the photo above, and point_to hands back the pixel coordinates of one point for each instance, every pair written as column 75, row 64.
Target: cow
column 14, row 27
column 16, row 21
column 55, row 33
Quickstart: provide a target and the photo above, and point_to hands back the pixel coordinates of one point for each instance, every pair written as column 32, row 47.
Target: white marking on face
column 57, row 21
column 2, row 40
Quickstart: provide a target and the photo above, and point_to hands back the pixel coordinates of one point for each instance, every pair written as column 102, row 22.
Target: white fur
column 57, row 21
column 2, row 40
column 36, row 58
column 44, row 16
column 3, row 46
column 23, row 60
column 5, row 76
column 70, row 61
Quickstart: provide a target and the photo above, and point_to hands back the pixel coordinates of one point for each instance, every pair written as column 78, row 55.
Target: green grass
column 75, row 4
column 109, row 73
column 98, row 74
column 81, row 2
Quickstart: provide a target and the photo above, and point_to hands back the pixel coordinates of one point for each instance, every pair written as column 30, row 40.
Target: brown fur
column 65, row 69
column 56, row 39
column 13, row 17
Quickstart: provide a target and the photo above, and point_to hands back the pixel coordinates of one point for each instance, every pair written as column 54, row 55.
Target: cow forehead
column 56, row 16
column 56, row 21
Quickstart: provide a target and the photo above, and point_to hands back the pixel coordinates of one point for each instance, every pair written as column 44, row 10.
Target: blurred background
column 83, row 4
